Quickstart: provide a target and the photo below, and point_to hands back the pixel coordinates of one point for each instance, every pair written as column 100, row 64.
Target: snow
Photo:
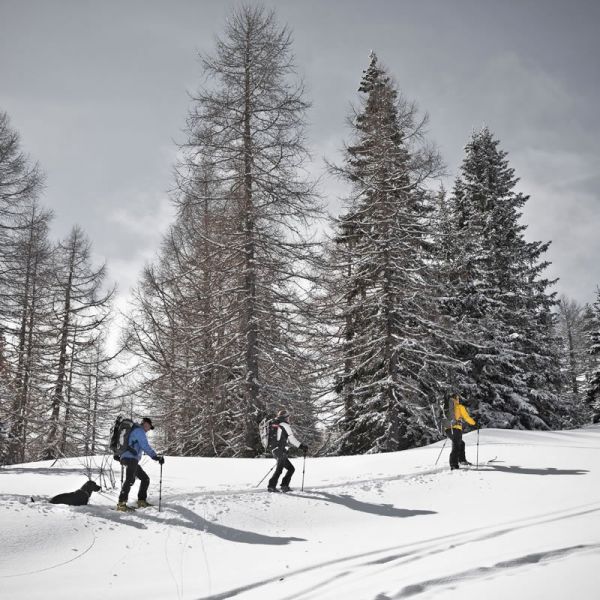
column 376, row 527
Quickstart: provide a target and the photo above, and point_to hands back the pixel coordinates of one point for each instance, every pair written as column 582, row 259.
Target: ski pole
column 303, row 469
column 160, row 488
column 477, row 467
column 440, row 454
column 268, row 472
column 121, row 474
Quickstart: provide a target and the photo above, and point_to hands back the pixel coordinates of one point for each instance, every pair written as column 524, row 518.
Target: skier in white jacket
column 285, row 436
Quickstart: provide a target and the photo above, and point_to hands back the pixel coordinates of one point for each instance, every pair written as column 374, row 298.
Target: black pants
column 133, row 470
column 283, row 462
column 458, row 447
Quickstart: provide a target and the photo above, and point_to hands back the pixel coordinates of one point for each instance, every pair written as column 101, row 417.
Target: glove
column 116, row 457
column 304, row 448
column 160, row 460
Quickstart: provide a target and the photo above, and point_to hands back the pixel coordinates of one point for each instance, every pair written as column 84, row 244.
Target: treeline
column 578, row 330
column 416, row 292
column 55, row 380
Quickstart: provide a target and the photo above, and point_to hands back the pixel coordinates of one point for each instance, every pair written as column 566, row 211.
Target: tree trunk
column 66, row 423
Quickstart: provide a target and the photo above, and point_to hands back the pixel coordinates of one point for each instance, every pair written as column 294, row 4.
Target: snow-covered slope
column 525, row 526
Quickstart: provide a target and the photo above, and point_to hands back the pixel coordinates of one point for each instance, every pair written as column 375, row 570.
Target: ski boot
column 286, row 488
column 122, row 507
column 143, row 504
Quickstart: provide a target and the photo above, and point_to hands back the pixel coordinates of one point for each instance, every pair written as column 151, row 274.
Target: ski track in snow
column 404, row 554
column 500, row 567
column 339, row 484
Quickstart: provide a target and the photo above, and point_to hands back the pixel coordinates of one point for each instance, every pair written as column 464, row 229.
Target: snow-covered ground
column 524, row 526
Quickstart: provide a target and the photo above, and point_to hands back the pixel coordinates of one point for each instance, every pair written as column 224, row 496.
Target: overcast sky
column 98, row 91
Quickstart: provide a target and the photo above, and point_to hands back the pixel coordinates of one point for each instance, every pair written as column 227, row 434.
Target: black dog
column 78, row 498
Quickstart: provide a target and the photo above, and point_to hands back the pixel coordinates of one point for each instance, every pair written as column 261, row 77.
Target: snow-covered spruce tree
column 593, row 390
column 379, row 300
column 590, row 324
column 572, row 331
column 500, row 297
column 244, row 356
column 446, row 258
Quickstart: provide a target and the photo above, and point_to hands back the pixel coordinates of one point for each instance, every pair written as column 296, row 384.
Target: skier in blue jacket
column 130, row 459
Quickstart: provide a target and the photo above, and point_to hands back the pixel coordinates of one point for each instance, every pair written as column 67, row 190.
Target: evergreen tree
column 446, row 259
column 572, row 330
column 379, row 299
column 500, row 297
column 593, row 391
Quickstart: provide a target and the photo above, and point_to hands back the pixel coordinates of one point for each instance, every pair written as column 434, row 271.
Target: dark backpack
column 268, row 429
column 447, row 417
column 119, row 436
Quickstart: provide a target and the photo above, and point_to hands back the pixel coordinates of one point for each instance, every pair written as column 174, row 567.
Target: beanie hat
column 149, row 421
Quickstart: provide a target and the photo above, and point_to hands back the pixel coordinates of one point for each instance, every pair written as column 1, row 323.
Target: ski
column 471, row 466
column 128, row 509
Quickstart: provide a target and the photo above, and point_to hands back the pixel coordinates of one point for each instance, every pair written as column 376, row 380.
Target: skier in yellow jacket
column 458, row 414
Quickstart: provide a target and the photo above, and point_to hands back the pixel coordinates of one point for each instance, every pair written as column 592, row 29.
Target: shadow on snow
column 44, row 470
column 192, row 520
column 383, row 510
column 532, row 471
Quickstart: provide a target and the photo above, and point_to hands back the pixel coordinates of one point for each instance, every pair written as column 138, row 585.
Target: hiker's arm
column 145, row 446
column 467, row 417
column 291, row 437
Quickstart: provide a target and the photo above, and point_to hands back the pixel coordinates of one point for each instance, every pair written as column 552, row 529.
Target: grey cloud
column 99, row 92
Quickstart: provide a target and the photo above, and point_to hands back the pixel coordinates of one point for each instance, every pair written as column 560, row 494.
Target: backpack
column 119, row 436
column 448, row 420
column 268, row 433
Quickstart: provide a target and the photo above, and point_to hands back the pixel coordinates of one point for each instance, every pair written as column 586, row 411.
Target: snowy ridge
column 375, row 527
